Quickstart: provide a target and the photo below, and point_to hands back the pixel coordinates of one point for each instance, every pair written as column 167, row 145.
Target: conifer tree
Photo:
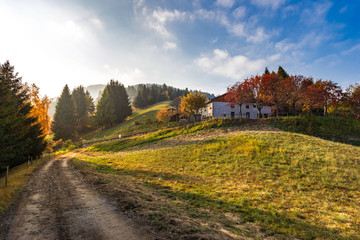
column 81, row 108
column 105, row 111
column 266, row 71
column 64, row 117
column 282, row 73
column 20, row 134
column 120, row 99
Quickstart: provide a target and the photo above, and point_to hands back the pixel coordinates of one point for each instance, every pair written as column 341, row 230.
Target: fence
column 29, row 162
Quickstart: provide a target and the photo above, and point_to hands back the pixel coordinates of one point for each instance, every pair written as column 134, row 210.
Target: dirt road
column 58, row 204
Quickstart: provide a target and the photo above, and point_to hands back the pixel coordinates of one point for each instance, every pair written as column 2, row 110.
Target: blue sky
column 199, row 44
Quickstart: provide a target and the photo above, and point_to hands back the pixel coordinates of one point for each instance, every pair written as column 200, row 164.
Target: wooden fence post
column 6, row 176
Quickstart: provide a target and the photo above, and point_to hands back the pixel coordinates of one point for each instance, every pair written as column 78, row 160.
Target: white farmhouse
column 218, row 107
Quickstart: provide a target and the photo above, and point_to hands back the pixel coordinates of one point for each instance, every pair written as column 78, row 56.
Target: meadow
column 140, row 122
column 286, row 184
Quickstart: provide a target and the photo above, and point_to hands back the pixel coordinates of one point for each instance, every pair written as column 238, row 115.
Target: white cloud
column 317, row 13
column 225, row 3
column 234, row 67
column 239, row 12
column 274, row 4
column 351, row 50
column 158, row 19
column 170, row 45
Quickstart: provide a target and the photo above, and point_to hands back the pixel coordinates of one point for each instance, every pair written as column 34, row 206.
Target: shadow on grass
column 273, row 222
column 337, row 129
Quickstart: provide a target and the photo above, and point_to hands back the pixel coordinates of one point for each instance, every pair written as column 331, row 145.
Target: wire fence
column 6, row 173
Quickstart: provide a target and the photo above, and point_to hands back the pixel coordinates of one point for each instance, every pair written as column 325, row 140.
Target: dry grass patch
column 18, row 176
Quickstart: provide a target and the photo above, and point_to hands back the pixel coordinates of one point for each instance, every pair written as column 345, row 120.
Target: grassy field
column 141, row 121
column 253, row 184
column 18, row 176
column 335, row 128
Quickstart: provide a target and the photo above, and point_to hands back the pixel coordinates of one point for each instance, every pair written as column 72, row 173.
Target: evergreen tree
column 81, row 108
column 120, row 99
column 90, row 103
column 64, row 117
column 266, row 71
column 282, row 73
column 20, row 134
column 140, row 99
column 105, row 110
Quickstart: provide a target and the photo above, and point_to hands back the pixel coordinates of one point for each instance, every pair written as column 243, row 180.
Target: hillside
column 141, row 121
column 225, row 179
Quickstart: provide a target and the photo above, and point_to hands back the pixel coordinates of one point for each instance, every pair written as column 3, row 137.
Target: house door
column 232, row 114
column 247, row 115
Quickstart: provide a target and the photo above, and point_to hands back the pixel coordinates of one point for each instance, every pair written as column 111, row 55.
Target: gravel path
column 58, row 204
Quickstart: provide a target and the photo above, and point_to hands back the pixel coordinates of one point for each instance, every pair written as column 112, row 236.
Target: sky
column 200, row 44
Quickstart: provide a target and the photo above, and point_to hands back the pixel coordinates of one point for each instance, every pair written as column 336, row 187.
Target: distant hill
column 96, row 91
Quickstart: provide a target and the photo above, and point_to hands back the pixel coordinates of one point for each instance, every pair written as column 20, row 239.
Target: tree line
column 148, row 94
column 290, row 95
column 24, row 119
column 75, row 112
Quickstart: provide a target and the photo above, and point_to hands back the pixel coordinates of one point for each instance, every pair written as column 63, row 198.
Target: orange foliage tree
column 164, row 115
column 190, row 104
column 40, row 107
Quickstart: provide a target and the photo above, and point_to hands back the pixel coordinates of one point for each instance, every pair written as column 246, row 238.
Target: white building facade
column 219, row 108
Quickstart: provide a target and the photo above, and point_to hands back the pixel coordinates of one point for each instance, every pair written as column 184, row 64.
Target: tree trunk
column 294, row 109
column 325, row 110
column 259, row 112
column 240, row 111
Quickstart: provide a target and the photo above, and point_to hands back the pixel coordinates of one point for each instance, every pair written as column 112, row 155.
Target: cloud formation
column 235, row 67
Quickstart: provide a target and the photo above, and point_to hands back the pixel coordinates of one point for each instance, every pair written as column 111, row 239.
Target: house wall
column 224, row 109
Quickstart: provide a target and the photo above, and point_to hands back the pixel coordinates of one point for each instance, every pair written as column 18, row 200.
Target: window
column 254, row 105
column 232, row 106
column 247, row 115
column 232, row 114
column 247, row 106
column 265, row 115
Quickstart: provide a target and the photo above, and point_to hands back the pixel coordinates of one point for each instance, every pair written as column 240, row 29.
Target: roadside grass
column 141, row 121
column 170, row 132
column 18, row 176
column 290, row 184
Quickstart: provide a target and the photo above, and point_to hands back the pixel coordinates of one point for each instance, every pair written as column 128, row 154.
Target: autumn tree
column 64, row 118
column 256, row 92
column 354, row 99
column 329, row 93
column 272, row 85
column 239, row 94
column 191, row 103
column 40, row 108
column 164, row 115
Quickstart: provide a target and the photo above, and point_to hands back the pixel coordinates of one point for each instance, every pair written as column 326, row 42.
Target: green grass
column 335, row 128
column 196, row 128
column 141, row 121
column 289, row 183
column 18, row 176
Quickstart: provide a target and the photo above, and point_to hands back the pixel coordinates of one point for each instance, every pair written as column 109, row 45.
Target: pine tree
column 282, row 73
column 64, row 117
column 20, row 134
column 266, row 71
column 105, row 110
column 81, row 108
column 120, row 99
